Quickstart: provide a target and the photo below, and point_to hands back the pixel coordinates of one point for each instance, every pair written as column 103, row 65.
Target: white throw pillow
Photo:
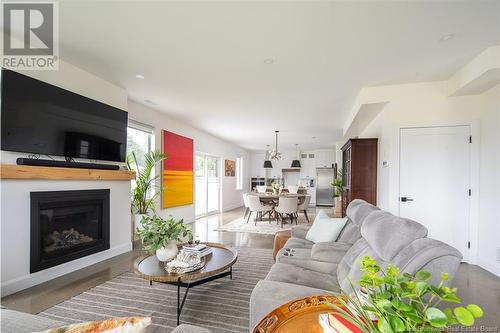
column 325, row 228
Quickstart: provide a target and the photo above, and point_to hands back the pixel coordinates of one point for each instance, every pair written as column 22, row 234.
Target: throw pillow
column 113, row 325
column 325, row 228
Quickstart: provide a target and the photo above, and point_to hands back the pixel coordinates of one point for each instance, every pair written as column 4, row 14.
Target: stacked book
column 334, row 323
column 202, row 249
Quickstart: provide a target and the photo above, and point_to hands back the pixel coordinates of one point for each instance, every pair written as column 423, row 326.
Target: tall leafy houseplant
column 144, row 193
column 162, row 235
column 337, row 193
column 388, row 301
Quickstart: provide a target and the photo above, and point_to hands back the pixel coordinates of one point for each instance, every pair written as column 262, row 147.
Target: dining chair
column 302, row 208
column 261, row 188
column 287, row 206
column 293, row 189
column 245, row 203
column 255, row 206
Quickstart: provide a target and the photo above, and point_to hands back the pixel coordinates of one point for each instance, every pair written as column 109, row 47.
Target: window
column 140, row 140
column 239, row 173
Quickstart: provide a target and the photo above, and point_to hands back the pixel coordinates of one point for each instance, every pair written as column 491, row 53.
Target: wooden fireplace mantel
column 12, row 171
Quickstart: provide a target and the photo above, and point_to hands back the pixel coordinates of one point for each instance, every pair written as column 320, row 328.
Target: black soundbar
column 65, row 164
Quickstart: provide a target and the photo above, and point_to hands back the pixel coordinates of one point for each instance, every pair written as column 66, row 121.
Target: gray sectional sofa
column 325, row 268
column 321, row 268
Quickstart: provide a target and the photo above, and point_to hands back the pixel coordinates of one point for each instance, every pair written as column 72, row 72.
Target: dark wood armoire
column 359, row 171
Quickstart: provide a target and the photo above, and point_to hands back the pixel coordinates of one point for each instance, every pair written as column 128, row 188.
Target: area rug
column 220, row 305
column 262, row 227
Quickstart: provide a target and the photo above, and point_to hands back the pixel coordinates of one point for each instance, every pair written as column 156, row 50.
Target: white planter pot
column 137, row 221
column 168, row 252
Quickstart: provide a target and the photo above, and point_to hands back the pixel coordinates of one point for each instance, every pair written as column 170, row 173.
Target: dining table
column 272, row 199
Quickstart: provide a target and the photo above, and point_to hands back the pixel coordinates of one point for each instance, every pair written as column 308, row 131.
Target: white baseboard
column 228, row 208
column 30, row 280
column 490, row 267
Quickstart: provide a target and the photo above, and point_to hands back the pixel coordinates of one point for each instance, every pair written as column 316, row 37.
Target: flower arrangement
column 390, row 302
column 276, row 186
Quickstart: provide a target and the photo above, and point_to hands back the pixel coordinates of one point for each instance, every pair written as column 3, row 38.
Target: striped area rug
column 220, row 305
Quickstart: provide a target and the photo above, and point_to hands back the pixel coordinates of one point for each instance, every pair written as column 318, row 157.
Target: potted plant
column 144, row 193
column 390, row 302
column 276, row 186
column 161, row 236
column 337, row 194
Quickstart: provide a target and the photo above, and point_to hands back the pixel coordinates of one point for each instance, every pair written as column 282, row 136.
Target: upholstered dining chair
column 293, row 189
column 261, row 188
column 287, row 206
column 245, row 203
column 302, row 208
column 255, row 206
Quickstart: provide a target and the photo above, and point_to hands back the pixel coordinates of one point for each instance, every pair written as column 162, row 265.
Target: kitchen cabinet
column 324, row 158
column 312, row 192
column 257, row 165
column 307, row 167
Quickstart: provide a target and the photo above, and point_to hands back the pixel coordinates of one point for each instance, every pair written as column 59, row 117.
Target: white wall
column 203, row 142
column 429, row 104
column 15, row 194
column 489, row 178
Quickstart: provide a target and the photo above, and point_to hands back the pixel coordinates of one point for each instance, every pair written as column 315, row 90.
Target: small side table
column 279, row 241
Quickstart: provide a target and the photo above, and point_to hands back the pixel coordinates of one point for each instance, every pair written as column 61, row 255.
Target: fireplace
column 67, row 225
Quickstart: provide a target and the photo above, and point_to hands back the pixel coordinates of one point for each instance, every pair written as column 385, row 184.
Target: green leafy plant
column 156, row 232
column 390, row 302
column 144, row 193
column 337, row 185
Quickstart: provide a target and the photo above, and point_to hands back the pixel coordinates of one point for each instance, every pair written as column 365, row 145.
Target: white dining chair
column 245, row 203
column 293, row 189
column 302, row 208
column 287, row 206
column 256, row 206
column 261, row 188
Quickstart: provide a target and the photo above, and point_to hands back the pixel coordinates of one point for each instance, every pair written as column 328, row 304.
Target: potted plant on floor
column 337, row 194
column 387, row 301
column 161, row 236
column 144, row 191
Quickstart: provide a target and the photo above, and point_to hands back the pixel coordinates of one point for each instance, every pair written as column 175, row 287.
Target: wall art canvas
column 177, row 173
column 230, row 168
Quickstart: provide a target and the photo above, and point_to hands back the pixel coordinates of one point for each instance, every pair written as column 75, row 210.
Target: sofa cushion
column 301, row 276
column 300, row 231
column 325, row 229
column 268, row 295
column 431, row 255
column 329, row 252
column 388, row 234
column 20, row 322
column 296, row 243
column 357, row 211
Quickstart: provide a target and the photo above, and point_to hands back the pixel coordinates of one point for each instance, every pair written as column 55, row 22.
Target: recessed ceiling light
column 269, row 61
column 139, row 76
column 149, row 102
column 446, row 38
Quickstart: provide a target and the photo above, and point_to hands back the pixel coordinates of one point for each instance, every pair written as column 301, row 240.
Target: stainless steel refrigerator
column 324, row 188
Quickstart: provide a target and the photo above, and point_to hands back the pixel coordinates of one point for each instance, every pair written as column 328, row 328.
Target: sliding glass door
column 207, row 185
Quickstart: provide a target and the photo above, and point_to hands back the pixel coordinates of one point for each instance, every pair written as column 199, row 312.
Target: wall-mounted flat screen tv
column 39, row 118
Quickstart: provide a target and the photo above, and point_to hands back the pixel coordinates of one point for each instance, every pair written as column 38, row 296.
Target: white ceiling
column 203, row 62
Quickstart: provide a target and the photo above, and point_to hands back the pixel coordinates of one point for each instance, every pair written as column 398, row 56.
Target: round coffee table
column 218, row 264
column 300, row 315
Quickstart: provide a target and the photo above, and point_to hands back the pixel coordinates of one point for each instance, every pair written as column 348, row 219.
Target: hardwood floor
column 474, row 283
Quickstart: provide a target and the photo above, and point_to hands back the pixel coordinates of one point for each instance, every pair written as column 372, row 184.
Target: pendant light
column 275, row 154
column 267, row 162
column 296, row 163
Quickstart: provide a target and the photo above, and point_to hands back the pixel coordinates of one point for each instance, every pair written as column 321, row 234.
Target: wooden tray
column 297, row 316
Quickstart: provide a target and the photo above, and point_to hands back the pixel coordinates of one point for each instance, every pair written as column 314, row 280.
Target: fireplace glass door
column 66, row 225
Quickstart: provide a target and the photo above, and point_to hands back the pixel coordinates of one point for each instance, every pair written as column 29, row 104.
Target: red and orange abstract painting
column 177, row 170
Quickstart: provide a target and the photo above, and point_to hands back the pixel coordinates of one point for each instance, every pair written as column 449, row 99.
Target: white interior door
column 435, row 181
column 207, row 185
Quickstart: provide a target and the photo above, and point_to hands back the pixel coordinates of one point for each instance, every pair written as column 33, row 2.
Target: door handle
column 405, row 199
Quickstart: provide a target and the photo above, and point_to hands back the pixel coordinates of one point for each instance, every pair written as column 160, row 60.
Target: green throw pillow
column 325, row 228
